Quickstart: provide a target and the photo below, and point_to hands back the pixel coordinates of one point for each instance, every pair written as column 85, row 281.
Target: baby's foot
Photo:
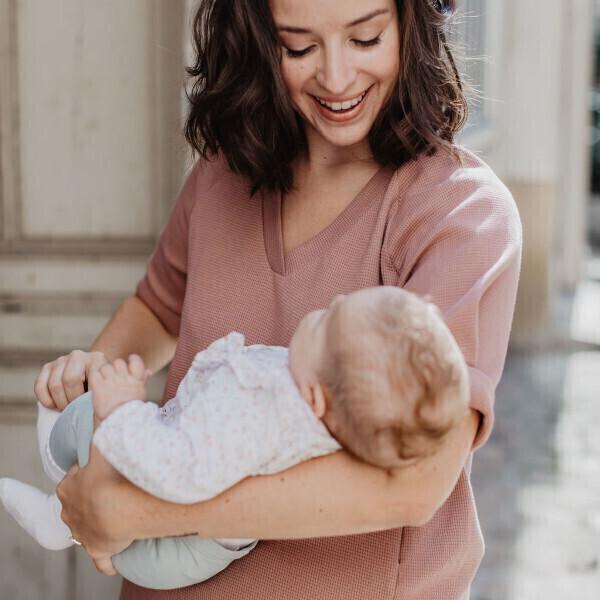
column 116, row 383
column 37, row 513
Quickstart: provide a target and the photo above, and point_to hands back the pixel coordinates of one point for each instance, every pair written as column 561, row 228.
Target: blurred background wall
column 91, row 159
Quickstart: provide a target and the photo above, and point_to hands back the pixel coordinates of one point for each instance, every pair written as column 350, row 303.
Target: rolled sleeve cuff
column 482, row 400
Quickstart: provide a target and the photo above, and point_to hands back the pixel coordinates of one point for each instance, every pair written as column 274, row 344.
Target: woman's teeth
column 339, row 106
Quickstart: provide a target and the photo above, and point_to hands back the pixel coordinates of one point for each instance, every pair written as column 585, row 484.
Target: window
column 472, row 34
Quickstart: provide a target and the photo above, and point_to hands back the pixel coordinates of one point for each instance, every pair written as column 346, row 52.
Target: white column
column 541, row 150
column 575, row 157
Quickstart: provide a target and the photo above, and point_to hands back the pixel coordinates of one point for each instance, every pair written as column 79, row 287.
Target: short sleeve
column 455, row 235
column 163, row 286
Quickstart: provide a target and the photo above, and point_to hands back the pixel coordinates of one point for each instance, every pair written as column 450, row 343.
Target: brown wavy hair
column 239, row 104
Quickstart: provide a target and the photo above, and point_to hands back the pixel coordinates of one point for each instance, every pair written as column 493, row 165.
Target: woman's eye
column 362, row 43
column 297, row 53
column 365, row 43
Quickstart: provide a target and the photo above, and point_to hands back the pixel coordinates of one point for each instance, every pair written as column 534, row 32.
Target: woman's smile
column 341, row 111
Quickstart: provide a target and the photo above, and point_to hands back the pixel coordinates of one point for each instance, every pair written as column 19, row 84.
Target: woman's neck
column 321, row 156
column 343, row 180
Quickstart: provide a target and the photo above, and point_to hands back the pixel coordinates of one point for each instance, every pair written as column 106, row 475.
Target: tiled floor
column 537, row 481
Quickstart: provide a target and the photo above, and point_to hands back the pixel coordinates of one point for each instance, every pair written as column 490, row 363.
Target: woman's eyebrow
column 367, row 17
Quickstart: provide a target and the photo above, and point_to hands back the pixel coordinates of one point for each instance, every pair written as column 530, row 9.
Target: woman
column 329, row 128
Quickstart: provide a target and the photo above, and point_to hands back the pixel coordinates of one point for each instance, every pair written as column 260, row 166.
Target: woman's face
column 343, row 53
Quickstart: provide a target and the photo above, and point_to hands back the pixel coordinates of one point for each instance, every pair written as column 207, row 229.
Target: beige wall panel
column 22, row 276
column 58, row 332
column 85, row 76
column 91, row 158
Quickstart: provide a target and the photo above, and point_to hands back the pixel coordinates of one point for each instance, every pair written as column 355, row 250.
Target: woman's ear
column 318, row 401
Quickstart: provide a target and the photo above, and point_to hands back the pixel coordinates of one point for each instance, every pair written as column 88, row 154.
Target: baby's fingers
column 107, row 371
column 137, row 367
column 95, row 379
column 120, row 366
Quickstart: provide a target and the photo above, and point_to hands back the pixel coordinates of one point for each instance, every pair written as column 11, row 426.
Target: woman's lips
column 343, row 115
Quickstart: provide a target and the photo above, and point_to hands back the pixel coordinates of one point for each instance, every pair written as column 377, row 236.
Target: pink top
column 432, row 227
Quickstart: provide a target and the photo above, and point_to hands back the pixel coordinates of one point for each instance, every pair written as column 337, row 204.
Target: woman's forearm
column 134, row 329
column 332, row 495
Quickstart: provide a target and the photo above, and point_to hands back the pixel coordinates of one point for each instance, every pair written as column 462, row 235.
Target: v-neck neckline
column 283, row 263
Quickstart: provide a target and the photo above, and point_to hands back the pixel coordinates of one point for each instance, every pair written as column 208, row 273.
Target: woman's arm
column 134, row 329
column 332, row 495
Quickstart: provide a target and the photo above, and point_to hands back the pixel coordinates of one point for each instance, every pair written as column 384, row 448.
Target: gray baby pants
column 162, row 563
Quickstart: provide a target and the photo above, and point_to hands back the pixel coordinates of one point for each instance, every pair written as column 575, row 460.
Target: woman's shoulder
column 209, row 180
column 433, row 188
column 207, row 171
column 440, row 196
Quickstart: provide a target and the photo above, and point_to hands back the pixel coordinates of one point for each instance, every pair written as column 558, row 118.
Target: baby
column 377, row 373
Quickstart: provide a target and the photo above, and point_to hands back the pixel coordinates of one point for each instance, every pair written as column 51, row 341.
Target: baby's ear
column 317, row 400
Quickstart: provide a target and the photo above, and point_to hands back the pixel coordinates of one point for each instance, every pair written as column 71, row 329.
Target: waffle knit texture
column 432, row 227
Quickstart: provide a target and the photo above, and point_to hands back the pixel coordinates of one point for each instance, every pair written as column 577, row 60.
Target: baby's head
column 383, row 371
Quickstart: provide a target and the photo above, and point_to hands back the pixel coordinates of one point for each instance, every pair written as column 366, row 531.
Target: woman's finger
column 74, row 469
column 61, row 495
column 55, row 384
column 105, row 566
column 74, row 374
column 40, row 387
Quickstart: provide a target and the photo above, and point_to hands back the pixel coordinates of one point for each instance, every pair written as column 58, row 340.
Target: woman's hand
column 92, row 509
column 61, row 380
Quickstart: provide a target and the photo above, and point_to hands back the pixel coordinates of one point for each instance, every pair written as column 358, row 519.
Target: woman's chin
column 349, row 135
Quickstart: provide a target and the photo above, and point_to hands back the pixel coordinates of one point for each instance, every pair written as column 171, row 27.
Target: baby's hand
column 116, row 383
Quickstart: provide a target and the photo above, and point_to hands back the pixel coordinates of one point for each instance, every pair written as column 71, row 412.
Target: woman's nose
column 336, row 73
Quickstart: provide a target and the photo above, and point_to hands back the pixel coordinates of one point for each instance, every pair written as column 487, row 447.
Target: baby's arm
column 214, row 436
column 116, row 383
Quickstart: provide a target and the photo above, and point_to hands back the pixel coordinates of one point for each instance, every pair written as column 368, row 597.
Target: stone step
column 72, row 276
column 53, row 332
column 59, row 304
